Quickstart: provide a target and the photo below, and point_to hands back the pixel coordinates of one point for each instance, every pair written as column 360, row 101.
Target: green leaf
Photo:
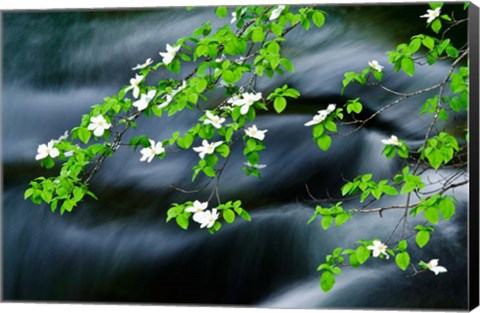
column 431, row 215
column 389, row 190
column 403, row 260
column 287, row 64
column 84, row 135
column 428, row 42
column 228, row 216
column 182, row 221
column 28, row 193
column 327, row 280
column 326, row 221
column 447, row 208
column 422, row 238
column 362, row 254
column 330, row 125
column 210, row 172
column 342, row 218
column 324, row 142
column 258, row 35
column 436, row 25
column 408, row 66
column 223, row 150
column 221, row 11
column 402, row 245
column 435, row 158
column 280, row 104
column 318, row 18
column 46, row 196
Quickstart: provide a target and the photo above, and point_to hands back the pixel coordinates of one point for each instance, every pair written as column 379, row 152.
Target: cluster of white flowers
column 201, row 215
column 150, row 152
column 375, row 65
column 321, row 115
column 169, row 55
column 207, row 148
column 98, row 124
column 378, row 248
column 254, row 132
column 214, row 120
column 393, row 140
column 245, row 101
column 431, row 15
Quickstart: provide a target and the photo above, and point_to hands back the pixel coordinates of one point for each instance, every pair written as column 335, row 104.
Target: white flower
column 433, row 266
column 317, row 119
column 62, row 137
column 142, row 103
column 247, row 100
column 258, row 166
column 134, row 82
column 179, row 88
column 375, row 65
column 321, row 115
column 170, row 54
column 255, row 133
column 393, row 140
column 45, row 150
column 276, row 12
column 431, row 15
column 168, row 99
column 378, row 248
column 144, row 65
column 98, row 124
column 214, row 120
column 234, row 18
column 206, row 218
column 331, row 107
column 207, row 148
column 197, row 207
column 150, row 152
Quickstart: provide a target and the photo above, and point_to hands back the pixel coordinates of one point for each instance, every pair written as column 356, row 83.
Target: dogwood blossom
column 257, row 166
column 434, row 267
column 276, row 12
column 170, row 54
column 134, row 82
column 197, row 207
column 375, row 65
column 142, row 103
column 393, row 140
column 321, row 115
column 206, row 218
column 234, row 18
column 254, row 132
column 45, row 150
column 144, row 65
column 431, row 15
column 214, row 120
column 149, row 153
column 98, row 124
column 378, row 248
column 207, row 148
column 247, row 99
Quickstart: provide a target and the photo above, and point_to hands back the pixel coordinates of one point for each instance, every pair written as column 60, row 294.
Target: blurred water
column 56, row 65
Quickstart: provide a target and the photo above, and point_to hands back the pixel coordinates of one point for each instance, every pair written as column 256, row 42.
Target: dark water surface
column 58, row 64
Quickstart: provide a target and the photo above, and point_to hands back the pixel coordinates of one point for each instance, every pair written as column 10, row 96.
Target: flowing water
column 58, row 64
